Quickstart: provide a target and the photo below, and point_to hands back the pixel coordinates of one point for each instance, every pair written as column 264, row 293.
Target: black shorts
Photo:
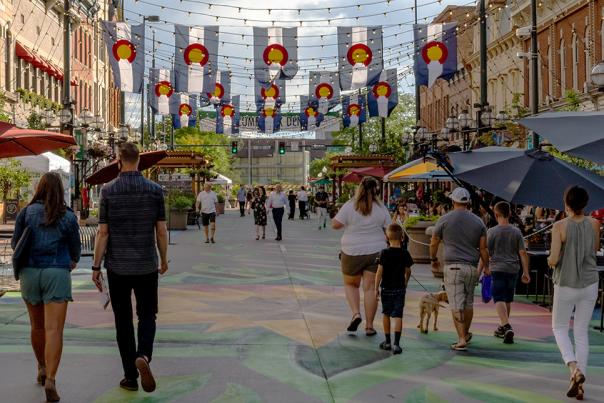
column 393, row 302
column 503, row 286
column 206, row 219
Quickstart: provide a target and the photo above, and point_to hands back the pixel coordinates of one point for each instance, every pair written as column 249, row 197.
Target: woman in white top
column 364, row 219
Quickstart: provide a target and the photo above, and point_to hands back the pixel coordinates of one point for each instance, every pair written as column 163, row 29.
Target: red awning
column 23, row 53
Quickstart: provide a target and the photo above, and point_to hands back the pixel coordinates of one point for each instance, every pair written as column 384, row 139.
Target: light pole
column 372, row 148
column 150, row 18
column 534, row 68
column 465, row 123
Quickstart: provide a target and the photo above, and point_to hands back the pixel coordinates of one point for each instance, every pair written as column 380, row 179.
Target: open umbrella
column 577, row 133
column 526, row 177
column 322, row 181
column 356, row 175
column 16, row 142
column 111, row 171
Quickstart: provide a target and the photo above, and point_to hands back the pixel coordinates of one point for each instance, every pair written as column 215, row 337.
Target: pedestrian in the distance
column 206, row 205
column 394, row 270
column 242, row 198
column 321, row 200
column 302, row 197
column 364, row 219
column 465, row 238
column 399, row 217
column 248, row 198
column 259, row 207
column 507, row 254
column 53, row 250
column 291, row 199
column 277, row 202
column 575, row 241
column 132, row 229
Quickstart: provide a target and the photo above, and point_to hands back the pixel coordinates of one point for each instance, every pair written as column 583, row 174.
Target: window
column 38, row 30
column 22, row 19
column 588, row 53
column 575, row 64
column 550, row 71
column 52, row 41
column 562, row 68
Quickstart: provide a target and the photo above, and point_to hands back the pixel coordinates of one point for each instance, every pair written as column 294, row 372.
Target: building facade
column 32, row 49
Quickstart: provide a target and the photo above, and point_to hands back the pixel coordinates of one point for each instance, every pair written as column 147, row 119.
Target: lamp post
column 372, row 148
column 465, row 123
column 150, row 18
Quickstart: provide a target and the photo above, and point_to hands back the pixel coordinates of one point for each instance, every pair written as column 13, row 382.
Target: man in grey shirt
column 465, row 238
column 506, row 247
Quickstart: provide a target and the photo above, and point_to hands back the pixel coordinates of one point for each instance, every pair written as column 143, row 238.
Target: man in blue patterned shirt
column 132, row 227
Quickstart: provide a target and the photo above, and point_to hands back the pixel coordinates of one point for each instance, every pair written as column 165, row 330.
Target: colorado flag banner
column 353, row 110
column 383, row 96
column 126, row 48
column 275, row 53
column 435, row 53
column 183, row 108
column 195, row 58
column 360, row 58
column 310, row 117
column 227, row 117
column 324, row 88
column 269, row 119
column 160, row 90
column 221, row 92
column 272, row 94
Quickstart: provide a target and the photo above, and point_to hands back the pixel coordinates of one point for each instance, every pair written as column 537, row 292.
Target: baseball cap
column 460, row 195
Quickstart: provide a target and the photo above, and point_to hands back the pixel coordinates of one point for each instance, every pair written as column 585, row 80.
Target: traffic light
column 234, row 148
column 282, row 147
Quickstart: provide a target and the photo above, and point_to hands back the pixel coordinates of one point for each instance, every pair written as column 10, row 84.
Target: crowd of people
column 132, row 245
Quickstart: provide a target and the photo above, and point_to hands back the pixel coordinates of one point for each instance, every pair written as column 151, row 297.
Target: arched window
column 562, row 68
column 588, row 54
column 575, row 62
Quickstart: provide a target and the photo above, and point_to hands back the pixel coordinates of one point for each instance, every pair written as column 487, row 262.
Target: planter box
column 178, row 220
column 440, row 254
column 420, row 252
column 233, row 203
column 219, row 208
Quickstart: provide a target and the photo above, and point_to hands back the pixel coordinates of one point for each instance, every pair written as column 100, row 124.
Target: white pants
column 582, row 300
column 322, row 213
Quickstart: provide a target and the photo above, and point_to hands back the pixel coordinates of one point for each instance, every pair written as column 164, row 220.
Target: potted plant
column 179, row 209
column 416, row 227
column 220, row 204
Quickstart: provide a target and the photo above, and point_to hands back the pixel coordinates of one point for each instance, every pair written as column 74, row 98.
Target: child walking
column 394, row 270
column 508, row 254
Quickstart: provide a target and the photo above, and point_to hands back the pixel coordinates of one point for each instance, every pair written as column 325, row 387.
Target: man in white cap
column 465, row 238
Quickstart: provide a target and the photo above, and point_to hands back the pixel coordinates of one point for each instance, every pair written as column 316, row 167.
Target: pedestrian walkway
column 262, row 321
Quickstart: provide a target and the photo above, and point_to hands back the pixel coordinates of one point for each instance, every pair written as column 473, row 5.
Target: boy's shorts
column 503, row 286
column 206, row 219
column 393, row 302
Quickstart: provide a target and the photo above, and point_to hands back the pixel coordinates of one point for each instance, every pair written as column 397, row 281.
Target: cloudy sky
column 317, row 43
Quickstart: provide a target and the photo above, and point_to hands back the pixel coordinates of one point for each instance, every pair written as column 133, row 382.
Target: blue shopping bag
column 485, row 282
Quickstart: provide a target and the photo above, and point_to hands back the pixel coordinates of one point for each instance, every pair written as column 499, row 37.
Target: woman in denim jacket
column 54, row 250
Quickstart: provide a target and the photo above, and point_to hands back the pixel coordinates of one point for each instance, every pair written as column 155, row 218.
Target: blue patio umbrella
column 578, row 133
column 526, row 177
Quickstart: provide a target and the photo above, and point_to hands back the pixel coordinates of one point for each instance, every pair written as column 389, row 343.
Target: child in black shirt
column 394, row 270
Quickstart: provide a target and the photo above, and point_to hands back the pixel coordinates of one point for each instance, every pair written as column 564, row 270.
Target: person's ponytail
column 366, row 194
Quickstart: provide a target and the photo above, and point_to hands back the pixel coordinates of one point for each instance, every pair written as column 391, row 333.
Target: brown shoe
column 147, row 380
column 51, row 391
column 130, row 385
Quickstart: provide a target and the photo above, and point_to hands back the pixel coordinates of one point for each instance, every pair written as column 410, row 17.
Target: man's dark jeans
column 302, row 205
column 278, row 218
column 145, row 293
column 242, row 208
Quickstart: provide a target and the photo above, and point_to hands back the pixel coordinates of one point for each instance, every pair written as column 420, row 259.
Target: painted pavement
column 256, row 321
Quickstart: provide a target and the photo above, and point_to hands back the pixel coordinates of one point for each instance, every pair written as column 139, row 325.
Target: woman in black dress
column 259, row 207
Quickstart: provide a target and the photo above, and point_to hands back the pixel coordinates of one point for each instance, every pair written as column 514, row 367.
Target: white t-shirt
column 208, row 201
column 363, row 235
column 302, row 196
column 277, row 200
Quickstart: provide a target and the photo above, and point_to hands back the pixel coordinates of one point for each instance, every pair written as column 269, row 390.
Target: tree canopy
column 12, row 178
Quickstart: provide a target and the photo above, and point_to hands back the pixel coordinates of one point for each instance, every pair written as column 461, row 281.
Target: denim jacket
column 55, row 246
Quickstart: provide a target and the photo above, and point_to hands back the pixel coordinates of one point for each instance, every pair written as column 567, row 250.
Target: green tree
column 403, row 116
column 216, row 147
column 573, row 103
column 34, row 121
column 318, row 164
column 4, row 117
column 12, row 178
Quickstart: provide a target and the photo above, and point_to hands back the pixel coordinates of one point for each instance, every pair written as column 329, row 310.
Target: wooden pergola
column 183, row 160
column 346, row 162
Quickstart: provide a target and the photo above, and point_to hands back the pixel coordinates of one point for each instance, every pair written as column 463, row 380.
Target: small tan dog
column 429, row 304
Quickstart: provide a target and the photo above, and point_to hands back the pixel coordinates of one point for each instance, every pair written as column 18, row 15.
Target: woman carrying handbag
column 45, row 263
